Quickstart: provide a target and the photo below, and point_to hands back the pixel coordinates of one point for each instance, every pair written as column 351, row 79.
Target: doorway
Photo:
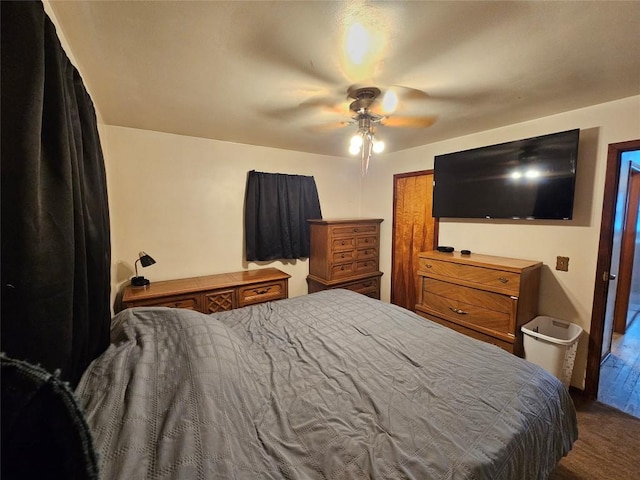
column 618, row 385
column 615, row 209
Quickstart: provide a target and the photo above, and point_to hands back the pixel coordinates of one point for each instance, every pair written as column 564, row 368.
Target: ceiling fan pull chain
column 365, row 152
column 364, row 158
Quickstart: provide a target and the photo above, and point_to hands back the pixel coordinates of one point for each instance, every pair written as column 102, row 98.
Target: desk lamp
column 145, row 260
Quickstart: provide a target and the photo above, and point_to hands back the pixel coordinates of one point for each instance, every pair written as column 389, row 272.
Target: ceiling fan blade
column 396, row 98
column 283, row 113
column 408, row 93
column 328, row 105
column 329, row 126
column 319, row 104
column 410, row 122
column 280, row 53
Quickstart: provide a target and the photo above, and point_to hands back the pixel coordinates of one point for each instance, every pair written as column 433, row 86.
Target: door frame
column 603, row 264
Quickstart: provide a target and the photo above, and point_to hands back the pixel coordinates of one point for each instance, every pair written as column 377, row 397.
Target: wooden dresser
column 211, row 293
column 486, row 297
column 345, row 254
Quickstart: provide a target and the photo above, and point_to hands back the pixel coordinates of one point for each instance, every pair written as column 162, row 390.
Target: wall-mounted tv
column 532, row 178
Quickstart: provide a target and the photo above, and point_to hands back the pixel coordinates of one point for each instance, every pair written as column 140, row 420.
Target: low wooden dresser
column 345, row 254
column 211, row 293
column 486, row 297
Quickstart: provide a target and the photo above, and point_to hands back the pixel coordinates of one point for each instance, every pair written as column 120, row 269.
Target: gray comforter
column 332, row 385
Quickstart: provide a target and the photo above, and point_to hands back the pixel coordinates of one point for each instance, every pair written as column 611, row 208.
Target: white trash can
column 552, row 343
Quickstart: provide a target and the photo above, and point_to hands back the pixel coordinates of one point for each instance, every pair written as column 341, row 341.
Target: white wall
column 181, row 199
column 567, row 295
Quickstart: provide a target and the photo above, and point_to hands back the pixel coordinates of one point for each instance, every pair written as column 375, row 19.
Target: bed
column 331, row 385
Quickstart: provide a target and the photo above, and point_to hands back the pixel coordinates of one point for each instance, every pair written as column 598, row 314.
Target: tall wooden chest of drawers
column 211, row 293
column 345, row 254
column 483, row 296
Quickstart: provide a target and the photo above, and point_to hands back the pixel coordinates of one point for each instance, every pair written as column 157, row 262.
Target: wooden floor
column 620, row 373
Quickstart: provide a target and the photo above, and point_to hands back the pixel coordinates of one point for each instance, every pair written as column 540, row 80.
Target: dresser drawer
column 471, row 316
column 509, row 346
column 440, row 288
column 263, row 292
column 368, row 241
column 342, row 270
column 366, row 266
column 219, row 301
column 369, row 287
column 347, row 230
column 339, row 244
column 438, row 267
column 469, row 306
column 343, row 256
column 190, row 302
column 459, row 293
column 490, row 277
column 366, row 253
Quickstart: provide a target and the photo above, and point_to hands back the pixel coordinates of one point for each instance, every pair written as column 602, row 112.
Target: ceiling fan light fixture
column 365, row 143
column 378, row 146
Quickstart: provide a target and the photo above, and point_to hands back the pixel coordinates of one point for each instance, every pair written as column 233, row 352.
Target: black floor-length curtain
column 56, row 251
column 277, row 207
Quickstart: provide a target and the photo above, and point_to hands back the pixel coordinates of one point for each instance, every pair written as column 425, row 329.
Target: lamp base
column 139, row 281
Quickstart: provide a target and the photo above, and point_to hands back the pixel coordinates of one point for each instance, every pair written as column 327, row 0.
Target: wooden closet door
column 414, row 231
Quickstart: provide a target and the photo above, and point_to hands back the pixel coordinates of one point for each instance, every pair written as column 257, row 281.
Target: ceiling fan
column 370, row 101
column 369, row 109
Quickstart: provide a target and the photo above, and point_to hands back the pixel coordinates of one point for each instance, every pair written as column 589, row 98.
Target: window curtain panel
column 277, row 207
column 56, row 251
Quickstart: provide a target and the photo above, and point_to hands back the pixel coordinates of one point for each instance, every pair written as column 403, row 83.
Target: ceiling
column 277, row 73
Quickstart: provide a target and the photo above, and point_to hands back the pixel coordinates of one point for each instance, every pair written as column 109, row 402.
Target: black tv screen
column 532, row 178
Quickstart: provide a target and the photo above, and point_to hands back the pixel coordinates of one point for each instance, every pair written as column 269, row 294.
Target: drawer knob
column 342, row 243
column 342, row 267
column 355, row 230
column 503, row 280
column 458, row 311
column 261, row 292
column 342, row 256
column 428, row 265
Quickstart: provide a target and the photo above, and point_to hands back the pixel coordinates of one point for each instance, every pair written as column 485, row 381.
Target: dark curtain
column 44, row 432
column 56, row 251
column 277, row 207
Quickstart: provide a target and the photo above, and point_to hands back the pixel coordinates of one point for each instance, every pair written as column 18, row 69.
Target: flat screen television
column 532, row 178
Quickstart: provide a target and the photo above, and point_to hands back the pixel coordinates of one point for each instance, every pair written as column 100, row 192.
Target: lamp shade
column 145, row 259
